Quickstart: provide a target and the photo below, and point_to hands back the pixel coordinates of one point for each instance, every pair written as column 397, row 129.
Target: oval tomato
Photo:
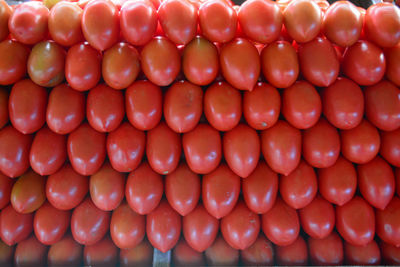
column 388, row 222
column 220, row 253
column 5, row 13
column 392, row 56
column 390, row 254
column 390, row 147
column 103, row 252
column 6, row 251
column 293, row 254
column 14, row 226
column 6, row 185
column 14, row 57
column 326, row 251
column 141, row 255
column 184, row 255
column 30, row 252
column 261, row 252
column 66, row 252
column 366, row 255
column 4, row 117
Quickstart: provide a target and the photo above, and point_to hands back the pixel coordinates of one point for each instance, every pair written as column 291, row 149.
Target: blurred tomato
column 184, row 255
column 261, row 252
column 364, row 255
column 141, row 255
column 14, row 57
column 220, row 253
column 388, row 222
column 326, row 251
column 293, row 254
column 102, row 253
column 4, row 117
column 5, row 13
column 66, row 252
column 30, row 252
column 6, row 185
column 390, row 254
column 14, row 226
column 6, row 253
column 397, row 177
column 390, row 147
column 392, row 56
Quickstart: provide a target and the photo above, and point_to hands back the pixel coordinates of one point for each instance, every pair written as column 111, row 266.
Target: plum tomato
column 102, row 253
column 388, row 222
column 14, row 57
column 5, row 13
column 184, row 255
column 66, row 252
column 392, row 56
column 30, row 252
column 326, row 251
column 390, row 254
column 14, row 226
column 293, row 254
column 141, row 255
column 390, row 147
column 6, row 254
column 220, row 253
column 362, row 255
column 6, row 184
column 261, row 252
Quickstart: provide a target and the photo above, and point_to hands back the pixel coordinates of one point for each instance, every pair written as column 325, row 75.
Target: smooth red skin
column 6, row 253
column 66, row 252
column 141, row 255
column 163, row 227
column 65, row 189
column 364, row 63
column 261, row 252
column 342, row 34
column 355, row 221
column 28, row 22
column 299, row 188
column 281, row 147
column 105, row 108
column 392, row 56
column 367, row 255
column 127, row 228
column 27, row 106
column 279, row 64
column 220, row 191
column 14, row 57
column 86, row 149
column 388, row 222
column 3, row 107
column 382, row 105
column 5, row 13
column 89, row 224
column 301, row 105
column 397, row 177
column 125, row 147
column 14, row 226
column 138, row 31
column 222, row 106
column 30, row 252
column 102, row 253
column 6, row 184
column 161, row 61
column 326, row 251
column 184, row 255
column 48, row 152
column 220, row 253
column 183, row 106
column 390, row 147
column 343, row 104
column 293, row 254
column 217, row 21
column 200, row 228
column 390, row 254
column 144, row 189
column 82, row 67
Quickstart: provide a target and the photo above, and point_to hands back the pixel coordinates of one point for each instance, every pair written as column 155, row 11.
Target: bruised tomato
column 14, row 226
column 220, row 253
column 388, row 222
column 326, row 251
column 184, row 255
column 14, row 57
column 293, row 254
column 390, row 147
column 30, row 252
column 6, row 184
column 103, row 252
column 66, row 252
column 362, row 255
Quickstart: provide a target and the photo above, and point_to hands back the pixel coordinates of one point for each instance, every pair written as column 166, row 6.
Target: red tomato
column 200, row 61
column 161, row 61
column 390, row 147
column 222, row 106
column 302, row 20
column 141, row 255
column 100, row 35
column 392, row 56
column 388, row 223
column 382, row 105
column 220, row 191
column 355, row 221
column 65, row 23
column 279, row 64
column 5, row 13
column 240, row 64
column 66, row 252
column 397, row 177
column 293, row 254
column 102, row 253
column 301, row 105
column 343, row 103
column 261, row 252
column 364, row 63
column 6, row 252
column 14, row 57
column 218, row 21
column 184, row 255
column 127, row 228
column 14, row 226
column 86, row 149
column 390, row 254
column 89, row 224
column 367, row 255
column 3, row 106
column 326, row 251
column 138, row 21
column 281, row 147
column 144, row 189
column 30, row 252
column 163, row 227
column 82, row 67
column 27, row 106
column 348, row 31
column 28, row 22
column 220, row 253
column 6, row 185
column 183, row 106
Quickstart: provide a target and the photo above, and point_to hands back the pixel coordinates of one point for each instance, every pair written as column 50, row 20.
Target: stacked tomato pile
column 267, row 132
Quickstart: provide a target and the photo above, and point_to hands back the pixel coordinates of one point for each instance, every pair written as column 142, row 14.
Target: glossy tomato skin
column 388, row 222
column 4, row 117
column 66, row 252
column 392, row 56
column 30, row 252
column 261, row 252
column 184, row 255
column 220, row 253
column 326, row 251
column 6, row 254
column 14, row 57
column 6, row 184
column 390, row 147
column 390, row 253
column 142, row 255
column 27, row 106
column 14, row 226
column 293, row 254
column 103, row 252
column 366, row 255
column 144, row 189
column 5, row 13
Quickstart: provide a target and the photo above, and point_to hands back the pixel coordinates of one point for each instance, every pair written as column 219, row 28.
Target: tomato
column 355, row 221
column 348, row 31
column 220, row 191
column 220, row 253
column 261, row 252
column 6, row 254
column 144, row 189
column 66, row 252
column 138, row 21
column 388, row 222
column 27, row 106
column 364, row 63
column 301, row 105
column 293, row 254
column 397, row 177
column 183, row 106
column 6, row 185
column 302, row 20
column 5, row 13
column 281, row 147
column 338, row 183
column 222, row 106
column 82, row 67
column 367, row 255
column 184, row 255
column 382, row 105
column 343, row 103
column 86, row 149
column 102, row 253
column 28, row 192
column 200, row 62
column 392, row 56
column 65, row 189
column 141, row 255
column 163, row 227
column 14, row 226
column 3, row 107
column 14, row 57
column 390, row 254
column 30, row 252
column 218, row 21
column 28, row 22
column 390, row 147
column 161, row 61
column 326, row 251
